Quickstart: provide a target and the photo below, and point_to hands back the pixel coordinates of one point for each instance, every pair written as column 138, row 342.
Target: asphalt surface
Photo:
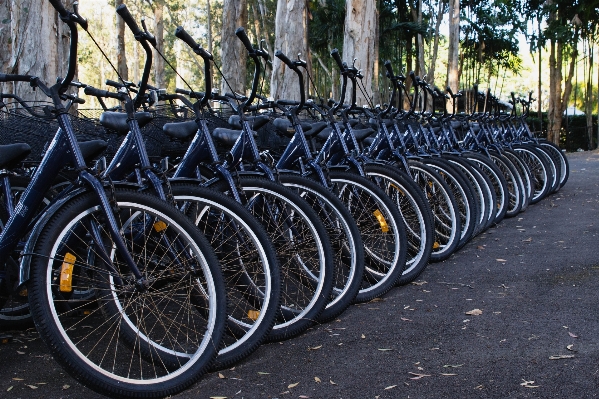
column 535, row 278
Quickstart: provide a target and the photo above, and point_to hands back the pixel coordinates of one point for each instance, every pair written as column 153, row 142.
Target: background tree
column 233, row 53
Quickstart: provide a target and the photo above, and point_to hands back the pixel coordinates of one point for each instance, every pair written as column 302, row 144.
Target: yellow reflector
column 159, row 226
column 397, row 188
column 436, row 245
column 382, row 221
column 5, row 340
column 87, row 312
column 66, row 273
column 253, row 315
column 23, row 292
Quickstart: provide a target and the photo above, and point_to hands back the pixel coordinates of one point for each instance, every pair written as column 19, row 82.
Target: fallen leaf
column 376, row 300
column 18, row 379
column 474, row 312
column 262, row 372
column 557, row 357
column 385, row 349
column 9, row 388
column 453, row 365
column 292, row 385
column 404, row 319
column 332, row 382
column 221, row 376
column 480, row 247
column 20, row 353
column 32, row 386
column 572, row 334
column 419, row 282
column 317, row 379
column 363, row 336
column 528, row 384
column 304, row 396
column 66, row 386
column 218, row 397
column 501, row 260
column 390, row 387
column 448, row 374
column 529, row 239
column 315, row 348
column 570, row 347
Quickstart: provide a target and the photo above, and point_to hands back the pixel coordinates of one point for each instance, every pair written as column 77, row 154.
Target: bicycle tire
column 170, row 352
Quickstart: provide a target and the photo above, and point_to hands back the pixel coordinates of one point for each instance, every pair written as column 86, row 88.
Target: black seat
column 228, row 136
column 361, row 134
column 92, row 149
column 314, row 128
column 180, row 130
column 117, row 121
column 255, row 122
column 388, row 122
column 12, row 154
column 368, row 141
column 324, row 134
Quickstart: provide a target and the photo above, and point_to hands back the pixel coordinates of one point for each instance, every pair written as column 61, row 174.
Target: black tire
column 565, row 165
column 444, row 207
column 382, row 230
column 303, row 249
column 415, row 212
column 249, row 264
column 524, row 173
column 176, row 321
column 463, row 193
column 515, row 186
column 539, row 170
column 345, row 238
column 497, row 181
column 555, row 163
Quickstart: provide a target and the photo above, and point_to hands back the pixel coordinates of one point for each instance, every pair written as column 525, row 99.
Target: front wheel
column 140, row 340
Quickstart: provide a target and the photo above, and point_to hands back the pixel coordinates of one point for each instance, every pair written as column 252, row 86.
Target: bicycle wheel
column 554, row 164
column 524, row 173
column 539, row 171
column 249, row 266
column 415, row 212
column 150, row 340
column 463, row 193
column 563, row 160
column 498, row 183
column 382, row 230
column 345, row 239
column 303, row 250
column 448, row 225
column 515, row 186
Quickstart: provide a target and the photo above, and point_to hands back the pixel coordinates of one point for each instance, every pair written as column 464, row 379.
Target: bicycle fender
column 25, row 263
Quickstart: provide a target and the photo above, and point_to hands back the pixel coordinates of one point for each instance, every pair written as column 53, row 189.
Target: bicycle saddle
column 228, row 136
column 361, row 134
column 12, row 154
column 256, row 122
column 284, row 126
column 92, row 149
column 117, row 121
column 180, row 130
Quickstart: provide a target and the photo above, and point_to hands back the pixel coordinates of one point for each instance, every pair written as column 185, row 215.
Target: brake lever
column 149, row 37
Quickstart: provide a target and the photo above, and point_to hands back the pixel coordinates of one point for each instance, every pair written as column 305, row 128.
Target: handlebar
column 15, row 78
column 92, row 91
column 337, row 58
column 186, row 37
column 240, row 32
column 124, row 13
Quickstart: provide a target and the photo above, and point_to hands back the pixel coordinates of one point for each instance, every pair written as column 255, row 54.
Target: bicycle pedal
column 5, row 339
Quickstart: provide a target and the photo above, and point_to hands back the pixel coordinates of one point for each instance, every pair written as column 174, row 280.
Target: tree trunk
column 233, row 53
column 159, row 76
column 121, row 56
column 290, row 33
column 40, row 43
column 433, row 63
column 453, row 52
column 5, row 41
column 361, row 18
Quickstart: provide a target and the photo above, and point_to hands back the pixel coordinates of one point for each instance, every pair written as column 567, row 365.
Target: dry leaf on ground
column 390, row 387
column 293, row 385
column 557, row 357
column 474, row 312
column 501, row 260
column 572, row 334
column 317, row 379
column 315, row 348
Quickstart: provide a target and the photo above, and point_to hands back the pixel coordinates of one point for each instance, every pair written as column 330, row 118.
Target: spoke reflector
column 382, row 221
column 66, row 273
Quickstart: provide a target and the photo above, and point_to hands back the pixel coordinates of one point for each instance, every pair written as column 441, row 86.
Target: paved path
column 534, row 277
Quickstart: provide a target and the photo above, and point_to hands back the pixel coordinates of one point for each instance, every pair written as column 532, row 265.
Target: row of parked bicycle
column 144, row 272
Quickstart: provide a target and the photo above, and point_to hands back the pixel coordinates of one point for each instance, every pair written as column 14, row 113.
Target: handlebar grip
column 123, row 11
column 57, row 4
column 240, row 32
column 413, row 77
column 112, row 83
column 182, row 91
column 182, row 34
column 337, row 58
column 279, row 54
column 389, row 69
column 14, row 78
column 92, row 91
column 77, row 100
column 448, row 89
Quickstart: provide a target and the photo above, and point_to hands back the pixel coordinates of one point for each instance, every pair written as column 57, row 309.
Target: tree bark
column 588, row 109
column 359, row 37
column 5, row 41
column 159, row 75
column 290, row 38
column 233, row 53
column 453, row 52
column 121, row 55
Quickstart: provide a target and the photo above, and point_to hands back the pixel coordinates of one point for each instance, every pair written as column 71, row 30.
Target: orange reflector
column 159, row 226
column 23, row 292
column 397, row 188
column 382, row 221
column 253, row 315
column 66, row 273
column 436, row 245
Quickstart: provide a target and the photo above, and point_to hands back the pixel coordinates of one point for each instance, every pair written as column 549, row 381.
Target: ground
column 535, row 278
